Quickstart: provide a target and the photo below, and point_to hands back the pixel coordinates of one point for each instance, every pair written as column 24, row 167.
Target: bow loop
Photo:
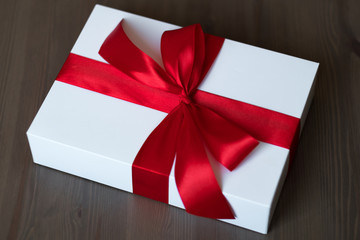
column 121, row 53
column 184, row 62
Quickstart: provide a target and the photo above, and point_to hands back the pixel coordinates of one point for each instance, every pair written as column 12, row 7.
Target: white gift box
column 97, row 137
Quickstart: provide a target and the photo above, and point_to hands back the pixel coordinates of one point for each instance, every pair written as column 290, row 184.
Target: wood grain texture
column 321, row 196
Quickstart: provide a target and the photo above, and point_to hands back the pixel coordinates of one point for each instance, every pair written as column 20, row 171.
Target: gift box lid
column 113, row 130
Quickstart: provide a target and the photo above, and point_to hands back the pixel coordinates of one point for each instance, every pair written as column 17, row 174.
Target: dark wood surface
column 321, row 196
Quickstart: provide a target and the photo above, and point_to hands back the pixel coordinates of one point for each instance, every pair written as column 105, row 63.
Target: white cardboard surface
column 97, row 137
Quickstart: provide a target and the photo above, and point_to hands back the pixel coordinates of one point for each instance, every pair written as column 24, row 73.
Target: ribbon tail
column 227, row 142
column 152, row 165
column 195, row 179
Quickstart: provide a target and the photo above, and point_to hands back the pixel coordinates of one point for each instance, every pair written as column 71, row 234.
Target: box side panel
column 278, row 190
column 308, row 104
column 80, row 163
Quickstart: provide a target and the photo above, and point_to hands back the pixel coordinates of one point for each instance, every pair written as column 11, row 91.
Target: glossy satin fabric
column 198, row 123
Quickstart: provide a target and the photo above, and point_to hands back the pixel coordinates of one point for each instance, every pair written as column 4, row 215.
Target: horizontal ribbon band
column 263, row 124
column 197, row 121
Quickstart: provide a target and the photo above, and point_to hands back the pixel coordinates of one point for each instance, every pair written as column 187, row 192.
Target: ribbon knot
column 185, row 99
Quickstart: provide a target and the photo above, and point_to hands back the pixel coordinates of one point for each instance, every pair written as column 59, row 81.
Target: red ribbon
column 197, row 120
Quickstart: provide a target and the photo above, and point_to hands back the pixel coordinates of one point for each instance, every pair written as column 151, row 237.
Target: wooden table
column 321, row 196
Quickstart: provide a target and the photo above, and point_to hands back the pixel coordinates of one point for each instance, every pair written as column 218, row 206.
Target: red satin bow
column 197, row 121
column 188, row 129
